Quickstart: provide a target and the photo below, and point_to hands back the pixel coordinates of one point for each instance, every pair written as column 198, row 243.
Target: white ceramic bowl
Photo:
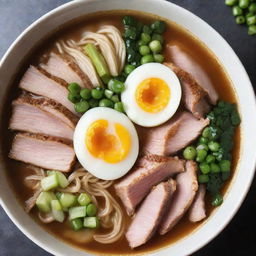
column 247, row 107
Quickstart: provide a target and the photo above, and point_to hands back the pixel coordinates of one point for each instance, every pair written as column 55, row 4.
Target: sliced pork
column 40, row 82
column 43, row 151
column 65, row 68
column 186, row 190
column 172, row 136
column 194, row 96
column 197, row 211
column 150, row 213
column 180, row 56
column 31, row 115
column 147, row 172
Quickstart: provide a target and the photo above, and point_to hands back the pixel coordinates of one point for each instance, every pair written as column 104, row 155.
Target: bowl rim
column 252, row 156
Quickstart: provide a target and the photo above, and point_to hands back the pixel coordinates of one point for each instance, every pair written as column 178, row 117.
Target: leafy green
column 215, row 183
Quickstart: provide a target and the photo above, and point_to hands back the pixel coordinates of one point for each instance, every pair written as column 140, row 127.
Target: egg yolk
column 109, row 142
column 153, row 95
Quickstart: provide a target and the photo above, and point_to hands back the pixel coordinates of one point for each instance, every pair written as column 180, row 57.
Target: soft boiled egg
column 152, row 94
column 106, row 143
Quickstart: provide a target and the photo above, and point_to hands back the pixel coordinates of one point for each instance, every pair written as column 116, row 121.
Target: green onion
column 84, row 199
column 57, row 212
column 43, row 202
column 49, row 182
column 67, row 200
column 77, row 224
column 91, row 222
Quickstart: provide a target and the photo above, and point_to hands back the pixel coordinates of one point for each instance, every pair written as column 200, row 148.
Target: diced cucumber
column 58, row 195
column 77, row 212
column 57, row 212
column 91, row 222
column 62, row 180
column 84, row 199
column 98, row 61
column 56, row 205
column 43, row 201
column 49, row 182
column 77, row 224
column 67, row 200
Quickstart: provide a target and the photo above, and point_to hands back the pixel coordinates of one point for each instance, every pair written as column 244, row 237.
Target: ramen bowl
column 52, row 21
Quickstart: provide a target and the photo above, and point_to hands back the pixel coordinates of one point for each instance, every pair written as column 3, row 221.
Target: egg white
column 98, row 167
column 134, row 111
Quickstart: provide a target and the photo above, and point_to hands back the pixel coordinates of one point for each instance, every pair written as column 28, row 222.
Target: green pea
column 237, row 11
column 252, row 8
column 119, row 106
column 214, row 146
column 203, row 140
column 97, row 93
column 251, row 20
column 244, row 4
column 159, row 58
column 204, row 168
column 217, row 200
column 108, row 93
column 206, row 132
column 93, row 103
column 202, row 146
column 203, row 178
column 81, row 106
column 146, row 29
column 144, row 50
column 145, row 38
column 158, row 26
column 73, row 97
column 189, row 153
column 85, row 93
column 252, row 30
column 140, row 43
column 158, row 37
column 146, row 59
column 201, row 154
column 225, row 165
column 249, row 14
column 230, row 2
column 240, row 19
column 128, row 69
column 91, row 210
column 115, row 98
column 116, row 86
column 155, row 46
column 210, row 159
column 106, row 103
column 74, row 88
column 214, row 168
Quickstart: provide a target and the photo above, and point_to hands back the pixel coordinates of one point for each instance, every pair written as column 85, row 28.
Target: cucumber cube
column 49, row 182
column 91, row 222
column 77, row 212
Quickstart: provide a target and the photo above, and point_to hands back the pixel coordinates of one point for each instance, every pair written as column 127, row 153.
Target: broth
column 175, row 34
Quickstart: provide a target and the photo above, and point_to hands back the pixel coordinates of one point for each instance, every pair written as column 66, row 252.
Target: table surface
column 239, row 237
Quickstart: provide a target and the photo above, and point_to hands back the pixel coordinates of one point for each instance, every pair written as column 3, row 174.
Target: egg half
column 106, row 143
column 152, row 94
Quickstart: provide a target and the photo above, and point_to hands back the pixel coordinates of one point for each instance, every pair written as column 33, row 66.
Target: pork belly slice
column 172, row 136
column 40, row 82
column 32, row 115
column 181, row 57
column 197, row 211
column 150, row 213
column 186, row 190
column 147, row 172
column 64, row 67
column 194, row 96
column 43, row 151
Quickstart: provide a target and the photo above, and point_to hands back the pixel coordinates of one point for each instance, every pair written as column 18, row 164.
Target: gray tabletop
column 239, row 238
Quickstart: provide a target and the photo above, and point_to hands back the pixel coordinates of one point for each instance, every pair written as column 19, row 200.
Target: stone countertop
column 239, row 237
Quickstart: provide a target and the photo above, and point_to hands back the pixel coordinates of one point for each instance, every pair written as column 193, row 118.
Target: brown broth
column 199, row 53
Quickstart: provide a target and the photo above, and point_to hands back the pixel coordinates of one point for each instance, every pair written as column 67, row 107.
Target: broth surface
column 174, row 34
